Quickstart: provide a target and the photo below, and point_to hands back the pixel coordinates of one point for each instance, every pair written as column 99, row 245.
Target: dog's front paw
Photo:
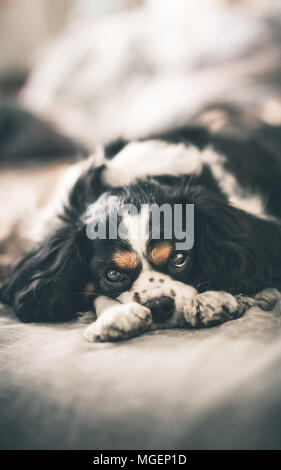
column 122, row 321
column 212, row 308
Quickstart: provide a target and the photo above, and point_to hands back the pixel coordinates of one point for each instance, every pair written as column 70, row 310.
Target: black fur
column 48, row 282
column 234, row 251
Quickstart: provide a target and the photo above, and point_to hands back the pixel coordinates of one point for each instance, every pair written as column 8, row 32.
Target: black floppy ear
column 44, row 286
column 234, row 250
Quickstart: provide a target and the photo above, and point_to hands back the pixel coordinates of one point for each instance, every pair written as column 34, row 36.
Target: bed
column 216, row 388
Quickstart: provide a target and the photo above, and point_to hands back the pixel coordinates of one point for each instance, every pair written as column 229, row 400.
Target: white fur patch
column 237, row 196
column 151, row 158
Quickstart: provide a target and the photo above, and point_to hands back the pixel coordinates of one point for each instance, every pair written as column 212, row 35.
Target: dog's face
column 154, row 277
column 140, row 266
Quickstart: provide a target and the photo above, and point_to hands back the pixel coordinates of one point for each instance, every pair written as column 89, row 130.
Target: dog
column 133, row 283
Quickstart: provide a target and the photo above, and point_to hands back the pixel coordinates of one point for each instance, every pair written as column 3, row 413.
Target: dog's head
column 160, row 261
column 133, row 249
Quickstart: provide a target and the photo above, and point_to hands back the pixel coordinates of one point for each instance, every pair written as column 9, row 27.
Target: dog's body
column 135, row 284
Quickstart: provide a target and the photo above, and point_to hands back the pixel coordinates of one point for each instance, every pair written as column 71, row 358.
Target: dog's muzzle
column 162, row 308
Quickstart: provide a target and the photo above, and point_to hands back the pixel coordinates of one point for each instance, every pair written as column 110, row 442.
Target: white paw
column 214, row 307
column 119, row 322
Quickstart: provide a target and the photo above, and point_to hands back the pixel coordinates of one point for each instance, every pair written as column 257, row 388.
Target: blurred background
column 77, row 73
column 101, row 69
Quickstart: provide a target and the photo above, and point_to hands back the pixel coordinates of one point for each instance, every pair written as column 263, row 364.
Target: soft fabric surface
column 217, row 388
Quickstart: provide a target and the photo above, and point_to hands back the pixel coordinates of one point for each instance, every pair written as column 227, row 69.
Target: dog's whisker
column 202, row 284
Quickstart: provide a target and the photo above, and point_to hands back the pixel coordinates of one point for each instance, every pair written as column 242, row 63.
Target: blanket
column 215, row 388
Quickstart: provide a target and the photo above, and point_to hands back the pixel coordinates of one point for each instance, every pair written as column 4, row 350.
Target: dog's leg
column 117, row 321
column 212, row 308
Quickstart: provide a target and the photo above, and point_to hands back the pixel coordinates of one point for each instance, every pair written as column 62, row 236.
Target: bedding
column 215, row 388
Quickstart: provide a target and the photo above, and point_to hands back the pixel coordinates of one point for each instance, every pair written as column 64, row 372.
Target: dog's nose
column 161, row 308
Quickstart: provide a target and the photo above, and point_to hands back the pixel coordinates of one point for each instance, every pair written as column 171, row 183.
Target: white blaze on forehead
column 137, row 231
column 151, row 158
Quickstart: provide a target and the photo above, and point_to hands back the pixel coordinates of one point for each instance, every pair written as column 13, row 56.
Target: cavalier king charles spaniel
column 133, row 281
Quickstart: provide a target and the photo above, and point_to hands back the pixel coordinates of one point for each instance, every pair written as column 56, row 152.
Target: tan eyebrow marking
column 161, row 253
column 126, row 259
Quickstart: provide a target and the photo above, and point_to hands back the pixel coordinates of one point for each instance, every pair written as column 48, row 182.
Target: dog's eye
column 114, row 276
column 178, row 260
